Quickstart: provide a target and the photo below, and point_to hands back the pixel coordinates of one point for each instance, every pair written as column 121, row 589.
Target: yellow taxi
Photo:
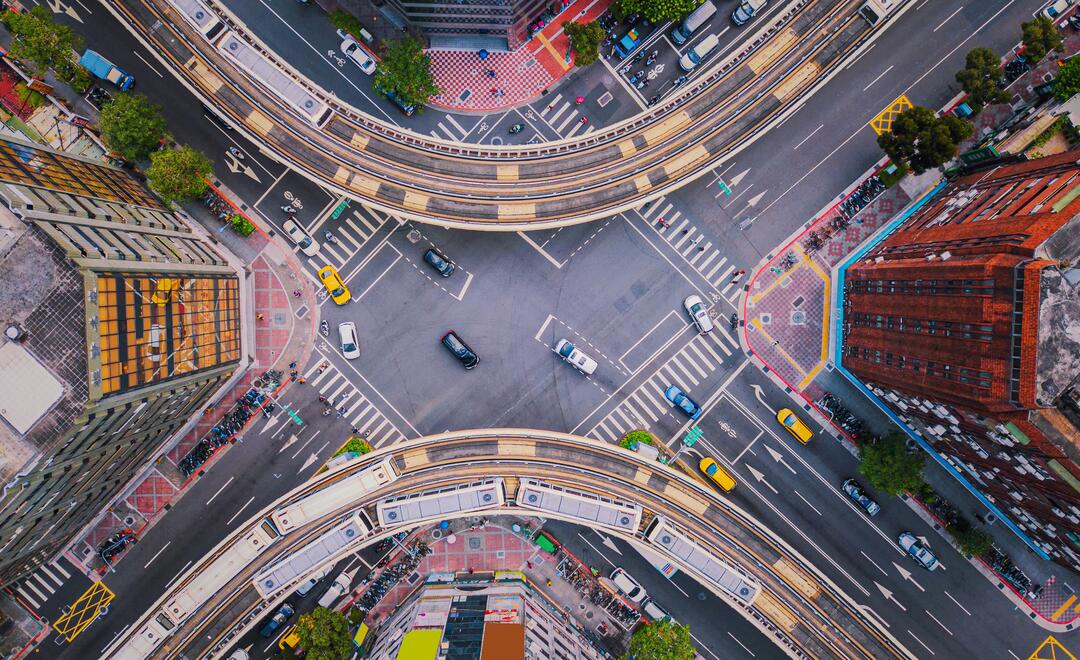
column 717, row 474
column 794, row 425
column 339, row 293
column 289, row 640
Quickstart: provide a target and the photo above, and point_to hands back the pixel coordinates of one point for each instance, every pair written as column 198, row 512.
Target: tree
column 585, row 38
column 972, row 541
column 36, row 39
column 889, row 467
column 654, row 10
column 661, row 640
column 1067, row 80
column 1040, row 36
column 132, row 125
column 324, row 635
column 178, row 175
column 406, row 71
column 980, row 76
column 922, row 139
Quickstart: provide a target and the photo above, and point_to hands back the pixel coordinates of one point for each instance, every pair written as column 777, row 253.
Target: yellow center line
column 559, row 57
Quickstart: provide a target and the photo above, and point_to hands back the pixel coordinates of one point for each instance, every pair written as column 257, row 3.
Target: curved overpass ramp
column 425, row 179
column 766, row 581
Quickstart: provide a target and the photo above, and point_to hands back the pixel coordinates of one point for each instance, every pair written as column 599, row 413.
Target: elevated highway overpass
column 511, row 188
column 338, row 512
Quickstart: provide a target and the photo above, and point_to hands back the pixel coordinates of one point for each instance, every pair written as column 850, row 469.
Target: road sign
column 723, row 187
column 692, row 436
column 295, row 417
column 340, row 209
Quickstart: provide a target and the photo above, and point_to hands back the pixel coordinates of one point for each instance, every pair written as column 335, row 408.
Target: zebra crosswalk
column 561, row 113
column 646, row 404
column 40, row 586
column 351, row 231
column 690, row 242
column 450, row 130
column 360, row 413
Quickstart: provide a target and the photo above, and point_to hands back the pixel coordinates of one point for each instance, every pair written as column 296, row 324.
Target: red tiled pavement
column 153, row 493
column 520, row 76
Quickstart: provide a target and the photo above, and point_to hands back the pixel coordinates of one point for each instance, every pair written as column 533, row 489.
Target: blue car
column 682, row 402
column 277, row 621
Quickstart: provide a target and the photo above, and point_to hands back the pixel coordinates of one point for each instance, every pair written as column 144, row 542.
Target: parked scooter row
column 841, row 415
column 861, row 196
column 406, row 563
column 98, row 97
column 116, row 543
column 217, row 205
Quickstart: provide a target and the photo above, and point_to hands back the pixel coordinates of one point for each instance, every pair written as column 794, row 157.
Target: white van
column 340, row 586
column 696, row 19
column 698, row 52
column 746, row 10
column 875, row 10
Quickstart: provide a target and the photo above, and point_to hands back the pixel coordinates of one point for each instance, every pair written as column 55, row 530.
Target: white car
column 633, row 591
column 357, row 54
column 654, row 611
column 575, row 357
column 310, row 583
column 297, row 235
column 350, row 345
column 917, row 551
column 699, row 313
column 339, row 587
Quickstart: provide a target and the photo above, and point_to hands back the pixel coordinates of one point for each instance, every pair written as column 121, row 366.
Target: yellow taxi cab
column 332, row 281
column 289, row 640
column 794, row 425
column 719, row 475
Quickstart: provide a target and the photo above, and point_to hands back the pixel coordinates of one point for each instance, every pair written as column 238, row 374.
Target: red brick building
column 966, row 321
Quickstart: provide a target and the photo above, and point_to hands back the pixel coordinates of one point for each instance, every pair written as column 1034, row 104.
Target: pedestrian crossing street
column 562, row 115
column 360, row 413
column 686, row 369
column 37, row 588
column 688, row 240
column 352, row 230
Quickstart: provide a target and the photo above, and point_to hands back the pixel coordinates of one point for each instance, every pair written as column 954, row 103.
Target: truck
column 106, row 70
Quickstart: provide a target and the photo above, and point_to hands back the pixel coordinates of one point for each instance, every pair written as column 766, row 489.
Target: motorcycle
column 237, row 153
column 330, row 238
column 516, row 128
column 324, row 328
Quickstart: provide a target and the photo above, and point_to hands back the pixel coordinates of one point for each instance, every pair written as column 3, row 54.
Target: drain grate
column 765, row 319
column 799, row 300
column 798, row 318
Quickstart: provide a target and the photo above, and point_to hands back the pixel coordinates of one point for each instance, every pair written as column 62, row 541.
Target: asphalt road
column 615, row 288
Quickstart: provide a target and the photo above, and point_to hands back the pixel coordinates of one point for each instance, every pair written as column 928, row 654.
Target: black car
column 439, row 262
column 460, row 350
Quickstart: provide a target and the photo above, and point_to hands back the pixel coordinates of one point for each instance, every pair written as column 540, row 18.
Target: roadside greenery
column 585, row 38
column 972, row 541
column 324, row 635
column 923, row 140
column 1067, row 80
column 43, row 44
column 358, row 445
column 654, row 10
column 241, row 225
column 891, row 178
column 1040, row 37
column 889, row 467
column 28, row 96
column 178, row 175
column 132, row 125
column 632, row 439
column 405, row 69
column 980, row 76
column 343, row 20
column 661, row 640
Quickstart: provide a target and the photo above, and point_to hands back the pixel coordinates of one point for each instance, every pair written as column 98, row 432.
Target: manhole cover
column 765, row 319
column 701, row 595
column 589, row 614
column 581, row 606
column 798, row 318
column 414, row 236
column 474, row 543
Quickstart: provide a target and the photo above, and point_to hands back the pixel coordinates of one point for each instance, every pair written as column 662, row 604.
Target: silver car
column 350, row 345
column 699, row 313
column 357, row 54
column 297, row 235
column 576, row 357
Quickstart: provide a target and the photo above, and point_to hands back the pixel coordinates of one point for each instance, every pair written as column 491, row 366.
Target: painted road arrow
column 59, row 7
column 761, row 397
column 310, row 460
column 779, row 459
column 889, row 596
column 608, row 543
column 292, row 439
column 737, row 179
column 761, row 478
column 906, row 574
column 233, row 163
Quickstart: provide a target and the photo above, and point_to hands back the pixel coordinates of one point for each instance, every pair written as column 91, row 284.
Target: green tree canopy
column 889, row 467
column 585, row 38
column 132, row 125
column 178, row 175
column 1040, row 36
column 36, row 39
column 1067, row 80
column 972, row 541
column 406, row 70
column 661, row 640
column 980, row 76
column 324, row 635
column 922, row 139
column 654, row 10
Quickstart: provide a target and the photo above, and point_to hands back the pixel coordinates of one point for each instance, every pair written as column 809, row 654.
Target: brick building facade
column 965, row 320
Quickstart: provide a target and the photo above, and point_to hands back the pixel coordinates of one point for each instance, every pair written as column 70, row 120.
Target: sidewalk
column 466, row 81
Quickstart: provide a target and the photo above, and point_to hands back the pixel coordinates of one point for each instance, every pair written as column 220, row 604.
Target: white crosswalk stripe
column 686, row 369
column 692, row 244
column 360, row 413
column 25, row 596
column 60, row 569
column 37, row 588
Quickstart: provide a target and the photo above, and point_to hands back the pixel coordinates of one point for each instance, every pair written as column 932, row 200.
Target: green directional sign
column 340, row 209
column 295, row 417
column 692, row 436
column 723, row 187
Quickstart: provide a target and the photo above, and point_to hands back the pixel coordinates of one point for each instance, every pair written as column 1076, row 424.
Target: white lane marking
column 808, row 137
column 880, row 76
column 948, row 19
column 238, row 512
column 739, row 643
column 957, row 603
column 27, row 598
column 219, row 491
column 938, row 622
column 874, row 563
column 60, row 569
column 921, row 642
column 806, row 500
column 152, row 68
column 594, row 548
column 178, row 574
column 554, row 262
column 702, row 645
column 147, row 564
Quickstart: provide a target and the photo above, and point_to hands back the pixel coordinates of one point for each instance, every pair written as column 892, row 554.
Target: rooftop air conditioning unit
column 931, row 256
column 878, row 260
column 945, row 255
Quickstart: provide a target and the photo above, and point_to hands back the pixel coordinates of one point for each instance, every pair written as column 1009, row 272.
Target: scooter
column 330, row 238
column 236, row 152
column 288, row 209
column 516, row 128
column 324, row 328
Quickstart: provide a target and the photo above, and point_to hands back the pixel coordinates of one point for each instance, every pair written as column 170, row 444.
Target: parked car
column 654, row 611
column 357, row 54
column 682, row 402
column 917, row 551
column 297, row 235
column 339, row 293
column 630, row 588
column 794, row 425
column 717, row 474
column 699, row 313
column 1056, row 9
column 289, row 640
column 746, row 10
column 856, row 493
column 439, row 262
column 457, row 346
column 338, row 587
column 280, row 617
column 306, row 587
column 350, row 345
column 575, row 357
